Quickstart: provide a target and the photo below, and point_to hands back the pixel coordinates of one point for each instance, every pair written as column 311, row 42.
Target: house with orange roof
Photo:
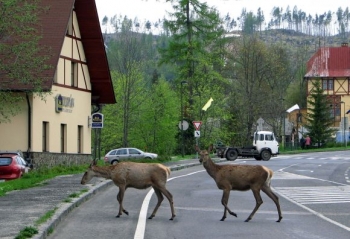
column 57, row 130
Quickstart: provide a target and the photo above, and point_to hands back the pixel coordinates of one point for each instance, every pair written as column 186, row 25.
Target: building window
column 327, row 84
column 74, row 74
column 335, row 111
column 63, row 138
column 80, row 139
column 45, row 139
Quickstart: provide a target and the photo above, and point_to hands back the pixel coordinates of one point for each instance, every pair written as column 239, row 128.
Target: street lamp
column 182, row 122
column 342, row 102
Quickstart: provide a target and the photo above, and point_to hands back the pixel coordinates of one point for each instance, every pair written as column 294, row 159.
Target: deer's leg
column 224, row 201
column 120, row 197
column 258, row 201
column 169, row 196
column 160, row 199
column 266, row 189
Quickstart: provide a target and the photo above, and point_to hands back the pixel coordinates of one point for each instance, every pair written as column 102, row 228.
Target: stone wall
column 48, row 160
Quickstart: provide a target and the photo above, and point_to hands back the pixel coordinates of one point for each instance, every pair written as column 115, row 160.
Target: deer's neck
column 102, row 171
column 211, row 168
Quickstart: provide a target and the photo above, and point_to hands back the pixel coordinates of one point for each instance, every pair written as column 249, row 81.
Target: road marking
column 141, row 224
column 314, row 212
column 284, row 175
column 317, row 195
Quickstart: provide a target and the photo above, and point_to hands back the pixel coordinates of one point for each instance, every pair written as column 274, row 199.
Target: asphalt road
column 314, row 192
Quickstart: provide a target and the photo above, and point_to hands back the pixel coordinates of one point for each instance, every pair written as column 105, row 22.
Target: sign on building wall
column 97, row 120
column 64, row 103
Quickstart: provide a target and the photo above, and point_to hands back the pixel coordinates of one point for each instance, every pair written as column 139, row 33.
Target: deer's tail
column 269, row 176
column 168, row 172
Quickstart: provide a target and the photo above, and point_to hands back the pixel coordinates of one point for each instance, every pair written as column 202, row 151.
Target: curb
column 65, row 208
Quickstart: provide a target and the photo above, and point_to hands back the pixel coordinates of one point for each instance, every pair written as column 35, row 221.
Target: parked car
column 116, row 155
column 12, row 165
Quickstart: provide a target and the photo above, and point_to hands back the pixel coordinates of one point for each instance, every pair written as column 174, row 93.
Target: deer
column 134, row 175
column 240, row 178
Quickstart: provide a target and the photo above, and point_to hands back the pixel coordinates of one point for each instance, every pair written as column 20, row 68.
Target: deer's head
column 204, row 155
column 89, row 174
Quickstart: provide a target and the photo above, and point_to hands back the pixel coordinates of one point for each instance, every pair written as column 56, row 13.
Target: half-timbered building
column 331, row 66
column 57, row 130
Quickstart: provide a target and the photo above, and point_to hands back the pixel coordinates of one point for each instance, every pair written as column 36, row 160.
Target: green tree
column 145, row 113
column 195, row 49
column 158, row 119
column 21, row 58
column 319, row 118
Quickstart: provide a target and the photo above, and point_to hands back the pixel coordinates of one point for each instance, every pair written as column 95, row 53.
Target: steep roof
column 330, row 62
column 53, row 26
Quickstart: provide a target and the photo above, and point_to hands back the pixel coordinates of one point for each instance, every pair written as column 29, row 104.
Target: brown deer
column 134, row 175
column 241, row 178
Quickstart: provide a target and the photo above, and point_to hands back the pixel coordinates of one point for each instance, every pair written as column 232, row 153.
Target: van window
column 269, row 137
column 261, row 138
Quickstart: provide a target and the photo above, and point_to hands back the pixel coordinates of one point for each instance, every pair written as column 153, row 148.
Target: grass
column 38, row 177
column 46, row 217
column 27, row 232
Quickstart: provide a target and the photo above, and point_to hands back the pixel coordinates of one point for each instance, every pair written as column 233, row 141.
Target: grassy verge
column 38, row 177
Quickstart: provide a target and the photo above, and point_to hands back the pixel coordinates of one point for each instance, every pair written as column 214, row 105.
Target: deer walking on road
column 134, row 175
column 240, row 178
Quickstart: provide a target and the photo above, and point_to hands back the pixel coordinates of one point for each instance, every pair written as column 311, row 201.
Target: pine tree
column 319, row 118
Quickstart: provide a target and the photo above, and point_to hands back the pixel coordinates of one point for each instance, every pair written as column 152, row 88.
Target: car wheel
column 265, row 155
column 257, row 158
column 231, row 154
column 114, row 162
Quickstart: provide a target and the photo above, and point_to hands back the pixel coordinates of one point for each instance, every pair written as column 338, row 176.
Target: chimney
column 344, row 44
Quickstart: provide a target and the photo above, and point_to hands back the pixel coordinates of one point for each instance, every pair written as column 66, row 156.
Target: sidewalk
column 21, row 209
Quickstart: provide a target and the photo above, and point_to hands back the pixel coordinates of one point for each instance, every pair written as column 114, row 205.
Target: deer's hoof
column 233, row 214
column 248, row 219
column 279, row 219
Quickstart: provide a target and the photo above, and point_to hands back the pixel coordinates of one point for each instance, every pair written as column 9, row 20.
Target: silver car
column 123, row 154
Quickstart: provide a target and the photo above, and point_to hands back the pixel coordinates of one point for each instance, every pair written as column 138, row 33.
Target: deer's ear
column 210, row 148
column 196, row 148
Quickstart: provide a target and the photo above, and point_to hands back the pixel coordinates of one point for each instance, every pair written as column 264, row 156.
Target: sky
column 153, row 10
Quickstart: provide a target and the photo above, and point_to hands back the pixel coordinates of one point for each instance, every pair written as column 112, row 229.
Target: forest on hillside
column 165, row 72
column 292, row 18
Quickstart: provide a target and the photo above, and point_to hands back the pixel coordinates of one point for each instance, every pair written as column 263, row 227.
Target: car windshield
column 5, row 161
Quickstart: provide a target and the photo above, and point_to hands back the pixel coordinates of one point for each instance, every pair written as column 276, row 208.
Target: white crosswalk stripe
column 284, row 175
column 316, row 195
